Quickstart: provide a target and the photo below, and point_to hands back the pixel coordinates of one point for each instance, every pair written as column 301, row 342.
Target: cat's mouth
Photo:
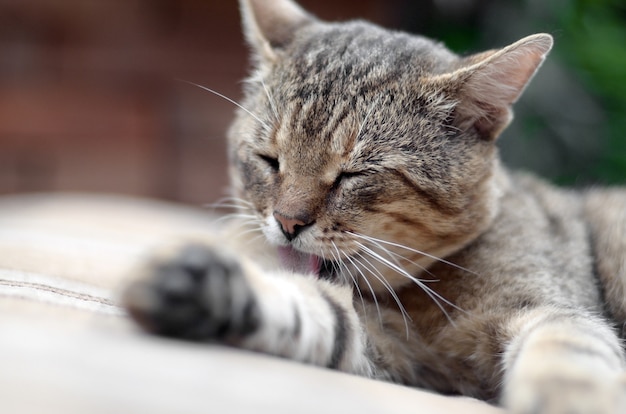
column 300, row 262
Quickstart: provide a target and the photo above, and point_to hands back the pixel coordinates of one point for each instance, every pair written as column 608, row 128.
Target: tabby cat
column 367, row 157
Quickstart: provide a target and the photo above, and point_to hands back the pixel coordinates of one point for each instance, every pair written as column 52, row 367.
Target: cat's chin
column 305, row 263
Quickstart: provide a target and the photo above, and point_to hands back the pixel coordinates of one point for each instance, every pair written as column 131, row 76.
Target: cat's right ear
column 270, row 25
column 488, row 84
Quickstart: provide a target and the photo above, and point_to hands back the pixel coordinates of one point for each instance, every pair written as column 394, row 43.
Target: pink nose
column 290, row 226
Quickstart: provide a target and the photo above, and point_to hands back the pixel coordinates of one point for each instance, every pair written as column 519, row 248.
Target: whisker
column 230, row 203
column 373, row 239
column 354, row 282
column 401, row 271
column 436, row 297
column 244, row 233
column 237, row 200
column 240, row 219
column 269, row 97
column 377, row 273
column 369, row 112
column 265, row 125
column 433, row 295
column 338, row 263
column 250, row 217
column 369, row 285
column 395, row 255
column 385, row 283
column 257, row 237
column 225, row 205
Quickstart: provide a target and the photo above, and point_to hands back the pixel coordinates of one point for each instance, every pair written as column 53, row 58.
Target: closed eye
column 271, row 162
column 347, row 175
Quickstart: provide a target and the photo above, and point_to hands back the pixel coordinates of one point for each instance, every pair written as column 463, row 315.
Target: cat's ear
column 487, row 84
column 270, row 25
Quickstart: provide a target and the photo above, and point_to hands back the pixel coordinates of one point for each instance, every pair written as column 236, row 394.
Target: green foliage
column 595, row 47
column 570, row 125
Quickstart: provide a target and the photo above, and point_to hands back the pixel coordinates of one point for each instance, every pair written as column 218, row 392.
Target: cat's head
column 356, row 140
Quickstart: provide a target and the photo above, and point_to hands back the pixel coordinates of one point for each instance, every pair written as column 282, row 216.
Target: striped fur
column 441, row 269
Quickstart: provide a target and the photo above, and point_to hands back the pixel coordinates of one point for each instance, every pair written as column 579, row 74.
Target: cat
column 367, row 158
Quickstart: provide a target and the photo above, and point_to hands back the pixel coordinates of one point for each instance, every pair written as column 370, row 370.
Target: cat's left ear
column 487, row 84
column 270, row 25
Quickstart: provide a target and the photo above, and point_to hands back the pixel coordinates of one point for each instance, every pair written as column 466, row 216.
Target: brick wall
column 89, row 99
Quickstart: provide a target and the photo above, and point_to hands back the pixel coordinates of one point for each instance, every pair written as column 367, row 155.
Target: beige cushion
column 66, row 347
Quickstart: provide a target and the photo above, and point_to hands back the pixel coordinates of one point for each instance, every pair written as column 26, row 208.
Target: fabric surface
column 66, row 347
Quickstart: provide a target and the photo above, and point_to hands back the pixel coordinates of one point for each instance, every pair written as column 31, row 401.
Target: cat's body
column 368, row 158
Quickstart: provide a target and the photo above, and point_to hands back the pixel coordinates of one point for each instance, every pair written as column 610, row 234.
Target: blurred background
column 89, row 97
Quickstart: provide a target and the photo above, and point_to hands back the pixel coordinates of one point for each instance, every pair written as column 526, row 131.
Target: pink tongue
column 296, row 261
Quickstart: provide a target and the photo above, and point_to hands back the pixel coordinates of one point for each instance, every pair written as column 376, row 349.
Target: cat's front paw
column 199, row 293
column 567, row 395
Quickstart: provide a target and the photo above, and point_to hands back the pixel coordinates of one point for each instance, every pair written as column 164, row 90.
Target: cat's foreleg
column 564, row 361
column 204, row 293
